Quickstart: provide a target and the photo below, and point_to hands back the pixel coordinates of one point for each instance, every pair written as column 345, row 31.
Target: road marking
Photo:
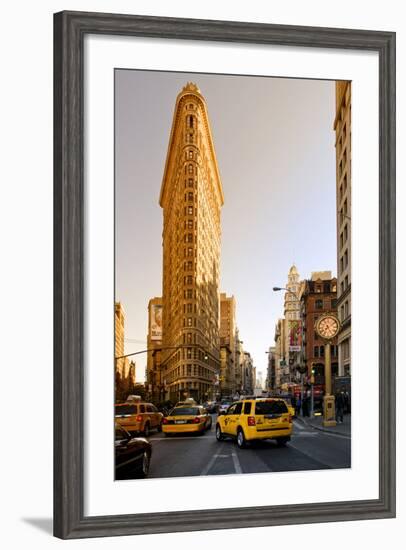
column 334, row 435
column 210, row 464
column 237, row 465
column 299, row 426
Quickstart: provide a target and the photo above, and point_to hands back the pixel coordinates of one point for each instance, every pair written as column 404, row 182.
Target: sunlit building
column 119, row 322
column 191, row 198
column 227, row 343
column 342, row 127
column 156, row 384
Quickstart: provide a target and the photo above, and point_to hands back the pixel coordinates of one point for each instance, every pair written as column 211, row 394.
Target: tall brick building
column 319, row 296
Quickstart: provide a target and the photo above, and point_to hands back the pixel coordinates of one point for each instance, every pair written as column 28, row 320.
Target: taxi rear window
column 126, row 409
column 270, row 407
column 183, row 411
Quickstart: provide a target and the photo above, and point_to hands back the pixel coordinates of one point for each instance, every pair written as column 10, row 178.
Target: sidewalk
column 317, row 423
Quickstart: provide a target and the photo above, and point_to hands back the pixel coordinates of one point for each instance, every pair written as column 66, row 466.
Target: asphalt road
column 191, row 455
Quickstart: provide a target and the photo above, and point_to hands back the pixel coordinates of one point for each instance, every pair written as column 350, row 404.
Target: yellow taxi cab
column 138, row 417
column 187, row 419
column 254, row 419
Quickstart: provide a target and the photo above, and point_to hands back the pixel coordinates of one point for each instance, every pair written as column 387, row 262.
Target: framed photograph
column 224, row 275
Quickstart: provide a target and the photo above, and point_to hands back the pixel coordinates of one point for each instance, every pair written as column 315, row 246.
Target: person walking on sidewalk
column 339, row 407
column 298, row 406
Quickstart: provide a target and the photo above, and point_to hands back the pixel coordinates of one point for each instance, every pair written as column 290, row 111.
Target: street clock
column 327, row 326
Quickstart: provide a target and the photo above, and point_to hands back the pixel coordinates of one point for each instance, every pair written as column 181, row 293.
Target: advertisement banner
column 156, row 322
column 295, row 336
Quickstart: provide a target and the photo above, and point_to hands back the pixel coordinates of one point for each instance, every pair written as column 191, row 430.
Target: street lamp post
column 154, row 350
column 302, row 360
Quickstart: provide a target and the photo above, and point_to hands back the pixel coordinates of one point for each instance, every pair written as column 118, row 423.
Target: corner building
column 191, row 198
column 342, row 127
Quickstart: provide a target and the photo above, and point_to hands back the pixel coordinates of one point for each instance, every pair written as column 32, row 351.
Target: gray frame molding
column 69, row 30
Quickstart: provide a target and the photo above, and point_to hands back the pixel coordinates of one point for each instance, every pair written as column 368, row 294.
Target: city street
column 191, row 455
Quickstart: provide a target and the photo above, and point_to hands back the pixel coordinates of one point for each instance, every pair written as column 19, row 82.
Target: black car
column 132, row 455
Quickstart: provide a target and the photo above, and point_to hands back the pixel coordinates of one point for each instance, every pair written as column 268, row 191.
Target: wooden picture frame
column 70, row 29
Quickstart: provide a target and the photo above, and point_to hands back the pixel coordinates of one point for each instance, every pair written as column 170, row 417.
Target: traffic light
column 312, row 375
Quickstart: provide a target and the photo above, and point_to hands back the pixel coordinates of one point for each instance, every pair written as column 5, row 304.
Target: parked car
column 224, row 404
column 138, row 417
column 210, row 406
column 132, row 454
column 252, row 419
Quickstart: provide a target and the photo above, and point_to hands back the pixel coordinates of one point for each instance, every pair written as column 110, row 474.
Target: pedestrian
column 298, row 406
column 347, row 408
column 305, row 405
column 339, row 407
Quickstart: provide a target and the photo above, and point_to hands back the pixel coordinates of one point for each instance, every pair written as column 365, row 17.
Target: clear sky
column 274, row 142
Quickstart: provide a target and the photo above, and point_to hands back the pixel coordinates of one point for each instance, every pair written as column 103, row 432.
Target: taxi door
column 227, row 418
column 233, row 418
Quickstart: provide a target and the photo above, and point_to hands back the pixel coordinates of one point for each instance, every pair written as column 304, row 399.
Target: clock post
column 327, row 327
column 329, row 409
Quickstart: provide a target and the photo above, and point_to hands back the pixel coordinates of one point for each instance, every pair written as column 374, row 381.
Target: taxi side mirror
column 222, row 413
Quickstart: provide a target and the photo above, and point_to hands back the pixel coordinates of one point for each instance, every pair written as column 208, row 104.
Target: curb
column 320, row 429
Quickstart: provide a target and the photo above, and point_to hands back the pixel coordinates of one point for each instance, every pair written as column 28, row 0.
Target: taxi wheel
column 281, row 442
column 146, row 430
column 159, row 427
column 241, row 441
column 219, row 433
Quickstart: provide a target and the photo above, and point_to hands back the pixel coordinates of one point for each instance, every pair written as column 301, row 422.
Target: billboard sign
column 295, row 337
column 156, row 322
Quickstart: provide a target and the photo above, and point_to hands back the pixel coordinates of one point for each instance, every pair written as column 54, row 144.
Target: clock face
column 328, row 327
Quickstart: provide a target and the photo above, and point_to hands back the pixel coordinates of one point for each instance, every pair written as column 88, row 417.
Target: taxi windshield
column 185, row 411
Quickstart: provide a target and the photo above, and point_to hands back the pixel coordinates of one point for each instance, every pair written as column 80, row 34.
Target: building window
column 190, row 210
column 319, row 304
column 321, row 351
column 326, row 288
column 190, row 237
column 334, row 304
column 190, row 181
column 191, row 154
column 189, row 321
column 190, row 196
column 316, row 351
column 190, row 168
column 191, row 121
